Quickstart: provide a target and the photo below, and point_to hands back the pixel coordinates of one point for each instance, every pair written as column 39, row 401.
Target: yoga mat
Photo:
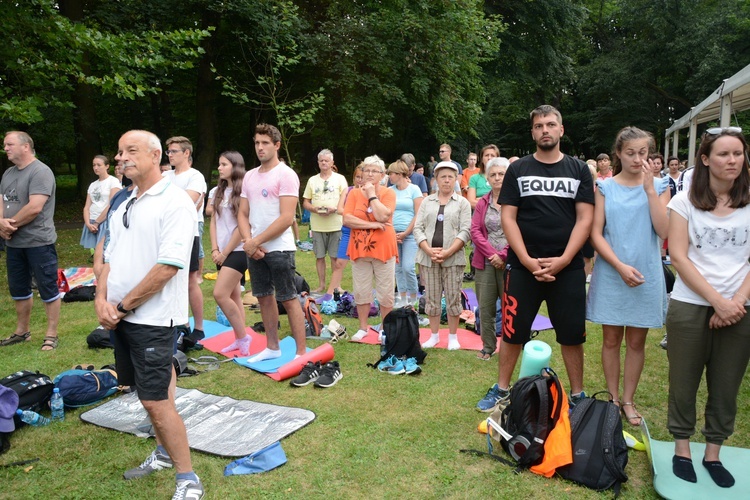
column 79, row 276
column 541, row 323
column 469, row 340
column 536, row 356
column 219, row 425
column 210, row 328
column 669, row 486
column 278, row 369
column 219, row 341
column 471, row 297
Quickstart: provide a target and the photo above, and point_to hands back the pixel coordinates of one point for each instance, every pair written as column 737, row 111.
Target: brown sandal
column 484, row 355
column 50, row 343
column 16, row 339
column 637, row 417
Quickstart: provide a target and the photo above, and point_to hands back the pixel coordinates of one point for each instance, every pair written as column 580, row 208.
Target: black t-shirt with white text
column 546, row 195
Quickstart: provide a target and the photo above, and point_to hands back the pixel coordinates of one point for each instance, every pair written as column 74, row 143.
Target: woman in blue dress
column 627, row 295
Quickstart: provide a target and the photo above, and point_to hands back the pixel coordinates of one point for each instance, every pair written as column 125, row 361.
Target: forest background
column 356, row 76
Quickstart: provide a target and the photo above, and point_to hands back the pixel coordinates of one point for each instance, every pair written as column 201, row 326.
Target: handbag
column 669, row 277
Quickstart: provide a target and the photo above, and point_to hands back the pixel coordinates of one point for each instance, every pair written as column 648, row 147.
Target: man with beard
column 547, row 203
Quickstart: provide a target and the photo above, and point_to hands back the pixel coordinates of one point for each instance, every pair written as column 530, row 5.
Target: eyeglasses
column 371, row 172
column 170, row 152
column 125, row 219
column 721, row 130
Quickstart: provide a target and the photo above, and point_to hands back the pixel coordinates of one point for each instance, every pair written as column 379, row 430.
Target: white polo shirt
column 192, row 180
column 161, row 231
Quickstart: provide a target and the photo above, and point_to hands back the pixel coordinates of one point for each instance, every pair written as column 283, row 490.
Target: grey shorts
column 326, row 243
column 273, row 273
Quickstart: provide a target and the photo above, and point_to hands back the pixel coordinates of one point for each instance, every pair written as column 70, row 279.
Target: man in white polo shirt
column 143, row 295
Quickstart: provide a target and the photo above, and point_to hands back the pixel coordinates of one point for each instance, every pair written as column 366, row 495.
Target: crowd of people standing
column 527, row 219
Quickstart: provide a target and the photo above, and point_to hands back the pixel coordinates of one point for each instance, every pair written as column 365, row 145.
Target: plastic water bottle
column 32, row 418
column 382, row 344
column 57, row 406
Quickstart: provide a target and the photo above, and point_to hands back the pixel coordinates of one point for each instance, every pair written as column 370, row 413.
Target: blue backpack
column 85, row 387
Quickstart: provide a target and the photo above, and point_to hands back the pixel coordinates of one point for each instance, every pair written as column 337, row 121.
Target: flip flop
column 16, row 339
column 637, row 417
column 50, row 342
column 484, row 355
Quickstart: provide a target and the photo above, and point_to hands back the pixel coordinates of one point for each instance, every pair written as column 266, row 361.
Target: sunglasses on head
column 721, row 130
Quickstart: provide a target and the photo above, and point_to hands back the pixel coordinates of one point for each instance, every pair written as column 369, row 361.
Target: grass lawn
column 375, row 435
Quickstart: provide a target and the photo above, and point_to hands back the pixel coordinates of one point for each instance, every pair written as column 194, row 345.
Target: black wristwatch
column 122, row 309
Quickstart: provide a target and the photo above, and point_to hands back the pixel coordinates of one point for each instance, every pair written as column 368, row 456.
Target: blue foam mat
column 669, row 486
column 211, row 328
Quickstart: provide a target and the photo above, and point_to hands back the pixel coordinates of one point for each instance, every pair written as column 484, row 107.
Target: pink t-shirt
column 263, row 190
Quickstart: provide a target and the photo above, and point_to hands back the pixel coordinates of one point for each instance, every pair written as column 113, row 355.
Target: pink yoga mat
column 469, row 341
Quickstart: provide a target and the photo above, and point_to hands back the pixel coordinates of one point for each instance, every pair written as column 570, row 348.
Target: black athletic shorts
column 566, row 305
column 143, row 356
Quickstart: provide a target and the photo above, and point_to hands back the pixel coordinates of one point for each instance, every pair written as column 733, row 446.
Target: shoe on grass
column 156, row 461
column 310, row 373
column 495, row 398
column 188, row 490
column 663, row 343
column 411, row 367
column 392, row 365
column 329, row 375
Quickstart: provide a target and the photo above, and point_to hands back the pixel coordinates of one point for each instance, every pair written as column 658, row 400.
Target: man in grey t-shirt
column 26, row 225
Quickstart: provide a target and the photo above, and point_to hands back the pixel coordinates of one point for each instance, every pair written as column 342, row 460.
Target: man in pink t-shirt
column 272, row 190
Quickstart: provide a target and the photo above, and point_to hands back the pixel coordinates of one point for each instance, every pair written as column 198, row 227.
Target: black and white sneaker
column 330, row 374
column 310, row 373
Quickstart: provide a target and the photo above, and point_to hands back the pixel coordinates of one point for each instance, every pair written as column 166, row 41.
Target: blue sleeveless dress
column 629, row 232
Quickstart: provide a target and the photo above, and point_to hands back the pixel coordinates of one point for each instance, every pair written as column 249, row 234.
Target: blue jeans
column 406, row 277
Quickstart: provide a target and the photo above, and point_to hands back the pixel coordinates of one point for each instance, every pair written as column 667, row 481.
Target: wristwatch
column 122, row 309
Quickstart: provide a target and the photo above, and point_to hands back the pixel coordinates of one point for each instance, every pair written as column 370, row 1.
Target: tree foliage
column 46, row 56
column 361, row 76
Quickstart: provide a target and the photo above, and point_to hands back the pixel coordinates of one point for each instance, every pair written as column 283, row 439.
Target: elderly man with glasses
column 142, row 294
column 321, row 198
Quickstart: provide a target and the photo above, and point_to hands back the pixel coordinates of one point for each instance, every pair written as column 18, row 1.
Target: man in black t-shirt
column 547, row 209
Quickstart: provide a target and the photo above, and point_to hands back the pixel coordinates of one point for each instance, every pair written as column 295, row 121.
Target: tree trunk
column 85, row 128
column 206, row 154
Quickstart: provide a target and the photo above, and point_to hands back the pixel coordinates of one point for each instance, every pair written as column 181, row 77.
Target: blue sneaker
column 392, row 365
column 411, row 367
column 494, row 399
column 574, row 400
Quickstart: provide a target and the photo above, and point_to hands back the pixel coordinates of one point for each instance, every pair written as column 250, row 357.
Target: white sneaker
column 359, row 335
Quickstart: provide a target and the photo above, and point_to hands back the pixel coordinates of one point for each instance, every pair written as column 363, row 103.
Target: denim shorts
column 275, row 271
column 39, row 261
column 143, row 355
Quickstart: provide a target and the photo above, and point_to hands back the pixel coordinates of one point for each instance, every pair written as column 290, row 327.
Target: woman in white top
column 707, row 325
column 97, row 203
column 226, row 248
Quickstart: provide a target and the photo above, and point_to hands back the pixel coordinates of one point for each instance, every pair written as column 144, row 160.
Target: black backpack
column 600, row 453
column 401, row 327
column 99, row 338
column 33, row 388
column 301, row 285
column 530, row 417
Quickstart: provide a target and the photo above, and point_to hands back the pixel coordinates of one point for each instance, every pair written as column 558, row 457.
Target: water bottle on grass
column 57, row 405
column 32, row 418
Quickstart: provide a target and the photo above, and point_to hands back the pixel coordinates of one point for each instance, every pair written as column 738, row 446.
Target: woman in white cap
column 441, row 231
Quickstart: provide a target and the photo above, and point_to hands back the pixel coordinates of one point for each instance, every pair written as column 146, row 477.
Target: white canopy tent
column 732, row 95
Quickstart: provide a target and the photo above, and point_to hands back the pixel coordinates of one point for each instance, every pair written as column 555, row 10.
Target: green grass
column 374, row 436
